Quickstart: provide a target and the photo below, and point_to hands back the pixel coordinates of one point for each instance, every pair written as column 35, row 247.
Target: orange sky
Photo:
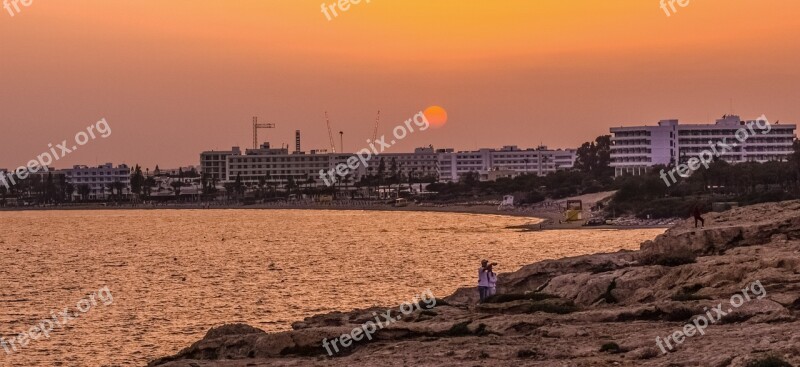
column 174, row 78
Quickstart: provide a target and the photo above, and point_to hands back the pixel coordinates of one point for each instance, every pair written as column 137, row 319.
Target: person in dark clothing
column 698, row 217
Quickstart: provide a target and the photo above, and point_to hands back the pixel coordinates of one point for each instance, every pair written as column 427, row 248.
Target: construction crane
column 330, row 134
column 377, row 121
column 257, row 126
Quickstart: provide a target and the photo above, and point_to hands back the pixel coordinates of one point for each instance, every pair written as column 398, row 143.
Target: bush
column 460, row 329
column 610, row 348
column 769, row 361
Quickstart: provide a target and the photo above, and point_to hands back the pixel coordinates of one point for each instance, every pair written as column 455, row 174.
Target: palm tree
column 148, row 185
column 237, row 185
column 346, row 181
column 84, row 190
column 290, row 185
column 176, row 187
column 69, row 190
column 137, row 182
column 116, row 187
column 310, row 181
column 262, row 182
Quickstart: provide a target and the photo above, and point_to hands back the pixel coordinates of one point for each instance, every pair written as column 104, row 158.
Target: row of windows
column 97, row 173
column 627, row 134
column 631, row 159
column 773, row 131
column 278, row 172
column 632, row 142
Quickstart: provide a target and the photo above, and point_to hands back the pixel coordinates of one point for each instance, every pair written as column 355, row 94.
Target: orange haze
column 174, row 78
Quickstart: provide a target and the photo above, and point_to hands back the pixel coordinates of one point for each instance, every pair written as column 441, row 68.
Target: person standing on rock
column 698, row 217
column 483, row 281
column 491, row 276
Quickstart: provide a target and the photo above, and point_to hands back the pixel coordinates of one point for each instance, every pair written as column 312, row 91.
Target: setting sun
column 436, row 115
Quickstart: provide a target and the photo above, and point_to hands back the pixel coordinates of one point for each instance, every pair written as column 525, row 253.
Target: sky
column 175, row 78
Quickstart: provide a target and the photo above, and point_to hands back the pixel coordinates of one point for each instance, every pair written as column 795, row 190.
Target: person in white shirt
column 483, row 281
column 491, row 276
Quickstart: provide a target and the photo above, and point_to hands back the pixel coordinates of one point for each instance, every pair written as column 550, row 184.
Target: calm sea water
column 173, row 274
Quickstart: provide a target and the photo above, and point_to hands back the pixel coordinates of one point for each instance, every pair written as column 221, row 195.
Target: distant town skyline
column 173, row 82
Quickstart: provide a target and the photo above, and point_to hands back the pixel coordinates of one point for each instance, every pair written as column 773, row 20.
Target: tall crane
column 330, row 134
column 377, row 121
column 257, row 126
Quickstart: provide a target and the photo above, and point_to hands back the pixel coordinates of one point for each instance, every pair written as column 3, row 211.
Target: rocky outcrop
column 605, row 309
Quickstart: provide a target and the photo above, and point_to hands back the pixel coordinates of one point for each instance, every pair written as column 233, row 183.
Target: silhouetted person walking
column 698, row 217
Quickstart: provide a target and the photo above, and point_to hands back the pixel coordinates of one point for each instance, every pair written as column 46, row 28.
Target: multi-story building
column 635, row 149
column 215, row 163
column 278, row 165
column 540, row 161
column 99, row 179
column 423, row 162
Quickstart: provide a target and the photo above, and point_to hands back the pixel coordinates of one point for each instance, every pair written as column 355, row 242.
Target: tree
column 176, row 187
column 238, row 185
column 147, row 186
column 471, row 179
column 393, row 168
column 595, row 157
column 290, row 185
column 69, row 190
column 262, row 182
column 84, row 190
column 381, row 171
column 62, row 186
column 137, row 182
column 118, row 187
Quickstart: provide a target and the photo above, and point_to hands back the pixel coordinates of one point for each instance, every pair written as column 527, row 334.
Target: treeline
column 743, row 183
column 645, row 196
column 529, row 189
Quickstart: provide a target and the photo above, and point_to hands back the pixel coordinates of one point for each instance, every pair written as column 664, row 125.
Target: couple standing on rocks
column 487, row 280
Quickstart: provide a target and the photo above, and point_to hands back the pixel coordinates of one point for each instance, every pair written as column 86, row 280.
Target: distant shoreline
column 546, row 220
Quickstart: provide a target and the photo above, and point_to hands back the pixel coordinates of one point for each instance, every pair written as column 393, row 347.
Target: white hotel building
column 275, row 163
column 98, row 179
column 540, row 161
column 637, row 148
column 446, row 164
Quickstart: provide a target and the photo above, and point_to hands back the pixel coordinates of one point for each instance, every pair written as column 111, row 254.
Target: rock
column 561, row 312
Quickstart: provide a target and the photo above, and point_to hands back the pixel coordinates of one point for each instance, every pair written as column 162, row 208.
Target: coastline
column 617, row 308
column 545, row 220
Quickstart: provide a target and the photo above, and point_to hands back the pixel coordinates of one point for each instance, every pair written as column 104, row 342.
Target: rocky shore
column 595, row 310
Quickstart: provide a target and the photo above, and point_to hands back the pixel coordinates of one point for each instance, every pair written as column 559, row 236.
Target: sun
column 436, row 115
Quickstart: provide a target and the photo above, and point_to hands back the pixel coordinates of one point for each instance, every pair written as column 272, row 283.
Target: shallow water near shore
column 174, row 274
